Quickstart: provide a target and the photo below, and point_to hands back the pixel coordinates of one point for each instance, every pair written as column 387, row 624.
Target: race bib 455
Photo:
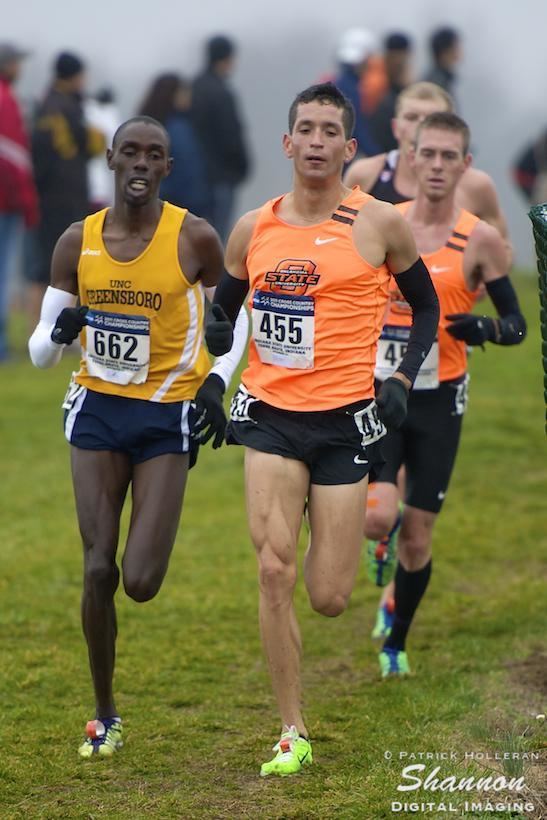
column 283, row 329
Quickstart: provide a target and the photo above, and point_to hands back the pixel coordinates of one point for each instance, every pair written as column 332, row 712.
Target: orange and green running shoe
column 384, row 620
column 104, row 737
column 382, row 555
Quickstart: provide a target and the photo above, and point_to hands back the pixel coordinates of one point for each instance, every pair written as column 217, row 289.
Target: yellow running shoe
column 293, row 752
column 104, row 737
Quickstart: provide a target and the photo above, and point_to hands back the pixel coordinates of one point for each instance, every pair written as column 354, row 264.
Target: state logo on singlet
column 293, row 276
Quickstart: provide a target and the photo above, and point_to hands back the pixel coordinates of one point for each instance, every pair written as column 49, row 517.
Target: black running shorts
column 427, row 444
column 338, row 446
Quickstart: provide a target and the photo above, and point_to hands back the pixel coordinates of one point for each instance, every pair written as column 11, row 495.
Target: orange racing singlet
column 317, row 310
column 447, row 359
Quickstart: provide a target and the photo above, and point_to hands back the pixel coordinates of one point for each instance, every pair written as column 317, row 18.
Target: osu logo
column 292, row 276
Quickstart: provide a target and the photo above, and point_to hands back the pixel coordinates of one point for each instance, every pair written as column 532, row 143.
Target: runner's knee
column 101, row 575
column 414, row 548
column 277, row 578
column 330, row 603
column 379, row 522
column 142, row 586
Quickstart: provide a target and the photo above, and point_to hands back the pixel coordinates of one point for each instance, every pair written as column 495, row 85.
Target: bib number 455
column 282, row 328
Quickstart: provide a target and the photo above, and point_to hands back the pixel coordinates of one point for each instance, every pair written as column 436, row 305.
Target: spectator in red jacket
column 18, row 198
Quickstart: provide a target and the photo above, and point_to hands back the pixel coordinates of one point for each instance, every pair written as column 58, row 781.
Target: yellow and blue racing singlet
column 144, row 332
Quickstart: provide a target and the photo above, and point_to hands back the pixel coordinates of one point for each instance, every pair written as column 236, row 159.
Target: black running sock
column 410, row 588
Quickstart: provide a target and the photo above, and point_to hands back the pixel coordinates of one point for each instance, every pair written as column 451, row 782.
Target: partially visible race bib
column 283, row 329
column 392, row 346
column 240, row 405
column 117, row 347
column 369, row 425
column 73, row 391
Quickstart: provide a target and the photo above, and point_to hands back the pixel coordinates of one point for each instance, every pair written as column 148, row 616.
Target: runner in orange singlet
column 460, row 251
column 318, row 262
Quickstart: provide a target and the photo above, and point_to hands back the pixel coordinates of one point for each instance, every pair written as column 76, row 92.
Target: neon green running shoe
column 104, row 737
column 382, row 555
column 393, row 663
column 293, row 752
column 384, row 620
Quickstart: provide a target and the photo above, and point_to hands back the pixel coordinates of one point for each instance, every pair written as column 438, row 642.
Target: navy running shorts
column 142, row 429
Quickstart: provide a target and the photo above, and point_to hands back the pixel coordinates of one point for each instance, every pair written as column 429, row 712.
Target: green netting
column 538, row 215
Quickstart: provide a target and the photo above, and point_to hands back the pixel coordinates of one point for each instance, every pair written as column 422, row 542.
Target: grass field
column 191, row 681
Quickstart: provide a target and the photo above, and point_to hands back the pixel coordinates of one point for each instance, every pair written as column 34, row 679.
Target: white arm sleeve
column 44, row 352
column 225, row 366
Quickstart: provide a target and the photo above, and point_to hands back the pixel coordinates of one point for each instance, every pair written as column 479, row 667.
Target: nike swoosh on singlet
column 437, row 269
column 319, row 241
column 359, row 460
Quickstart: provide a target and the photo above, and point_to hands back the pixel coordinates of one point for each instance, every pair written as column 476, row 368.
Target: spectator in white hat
column 354, row 50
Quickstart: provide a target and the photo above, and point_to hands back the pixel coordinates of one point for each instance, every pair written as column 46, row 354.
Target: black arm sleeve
column 511, row 328
column 230, row 294
column 417, row 288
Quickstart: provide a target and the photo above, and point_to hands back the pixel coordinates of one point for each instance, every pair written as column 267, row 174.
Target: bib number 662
column 115, row 345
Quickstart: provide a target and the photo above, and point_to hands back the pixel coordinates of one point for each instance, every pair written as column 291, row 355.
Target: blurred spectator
column 373, row 84
column 446, row 53
column 354, row 51
column 101, row 112
column 169, row 101
column 61, row 147
column 18, row 199
column 220, row 131
column 397, row 61
column 530, row 170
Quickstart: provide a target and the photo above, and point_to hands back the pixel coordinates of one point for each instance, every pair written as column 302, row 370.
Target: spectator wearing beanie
column 398, row 64
column 219, row 129
column 61, row 147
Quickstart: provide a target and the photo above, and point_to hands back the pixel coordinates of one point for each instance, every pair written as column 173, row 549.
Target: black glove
column 219, row 333
column 391, row 403
column 471, row 329
column 68, row 325
column 209, row 416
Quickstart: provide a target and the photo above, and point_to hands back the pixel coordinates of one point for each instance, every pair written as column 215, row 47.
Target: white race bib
column 283, row 329
column 369, row 425
column 392, row 346
column 117, row 347
column 240, row 405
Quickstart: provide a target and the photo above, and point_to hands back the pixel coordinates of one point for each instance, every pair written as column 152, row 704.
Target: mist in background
column 286, row 46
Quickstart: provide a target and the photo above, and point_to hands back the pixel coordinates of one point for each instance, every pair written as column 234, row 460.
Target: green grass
column 191, row 681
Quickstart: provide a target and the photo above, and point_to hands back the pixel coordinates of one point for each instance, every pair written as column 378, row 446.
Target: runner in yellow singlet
column 144, row 387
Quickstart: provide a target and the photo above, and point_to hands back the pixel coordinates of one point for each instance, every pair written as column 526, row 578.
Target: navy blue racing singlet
column 384, row 188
